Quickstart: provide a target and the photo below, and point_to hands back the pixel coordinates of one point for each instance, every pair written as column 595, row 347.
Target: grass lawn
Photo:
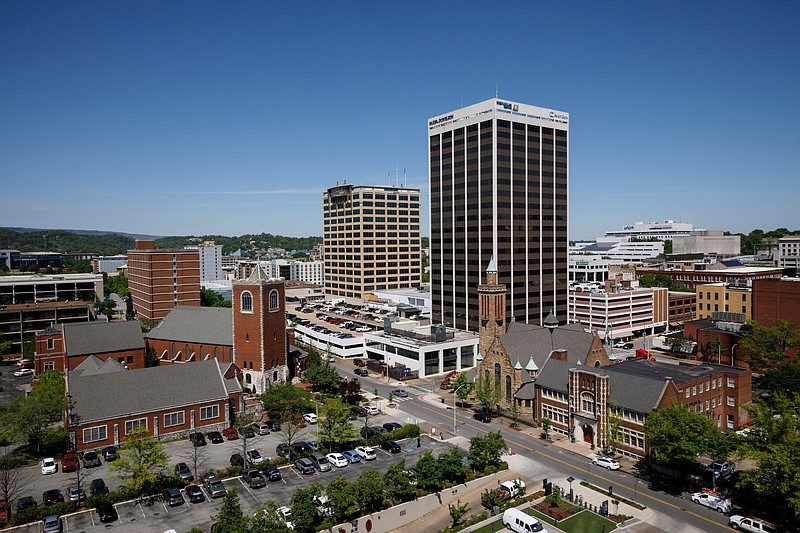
column 583, row 522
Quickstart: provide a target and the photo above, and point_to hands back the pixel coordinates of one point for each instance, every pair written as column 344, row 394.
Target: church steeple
column 492, row 303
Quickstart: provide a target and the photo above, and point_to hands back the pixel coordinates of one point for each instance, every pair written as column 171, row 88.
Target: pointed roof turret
column 258, row 274
column 479, row 357
column 551, row 321
column 518, row 366
column 492, row 267
column 531, row 366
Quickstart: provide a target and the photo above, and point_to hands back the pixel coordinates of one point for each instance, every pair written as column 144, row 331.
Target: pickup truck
column 508, row 490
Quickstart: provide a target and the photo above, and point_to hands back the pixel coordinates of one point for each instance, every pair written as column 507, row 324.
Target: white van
column 516, row 520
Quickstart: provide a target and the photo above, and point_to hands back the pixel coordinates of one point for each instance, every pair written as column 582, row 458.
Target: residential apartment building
column 160, row 280
column 619, row 311
column 371, row 238
column 210, row 261
column 499, row 188
column 725, row 298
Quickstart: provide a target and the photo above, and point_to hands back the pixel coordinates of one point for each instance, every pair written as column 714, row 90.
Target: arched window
column 248, row 379
column 497, row 372
column 275, row 376
column 508, row 388
column 587, row 402
column 274, row 304
column 247, row 302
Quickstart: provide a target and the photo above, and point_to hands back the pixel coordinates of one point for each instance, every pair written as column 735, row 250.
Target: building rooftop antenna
column 497, row 90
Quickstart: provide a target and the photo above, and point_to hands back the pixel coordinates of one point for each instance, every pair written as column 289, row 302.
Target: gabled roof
column 640, row 393
column 258, row 274
column 525, row 341
column 84, row 338
column 136, row 392
column 201, row 325
column 93, row 365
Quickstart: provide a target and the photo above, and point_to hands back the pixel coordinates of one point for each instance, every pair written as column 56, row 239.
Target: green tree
column 397, row 484
column 713, row 349
column 677, row 342
column 230, row 517
column 463, row 386
column 115, row 284
column 269, row 520
column 655, row 280
column 369, row 491
column 678, row 435
column 429, row 475
column 766, row 346
column 304, row 508
column 546, row 428
column 140, row 460
column 5, row 346
column 285, row 400
column 612, row 431
column 490, row 499
column 14, row 480
column 451, row 466
column 209, row 298
column 783, row 377
column 342, row 498
column 774, row 445
column 457, row 512
column 28, row 418
column 150, row 357
column 334, row 426
column 322, row 375
column 487, row 391
column 486, row 450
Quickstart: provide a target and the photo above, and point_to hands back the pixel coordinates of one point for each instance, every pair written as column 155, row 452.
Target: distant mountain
column 86, row 232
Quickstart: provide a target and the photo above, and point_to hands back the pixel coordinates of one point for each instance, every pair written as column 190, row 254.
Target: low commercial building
column 789, row 253
column 21, row 322
column 38, row 288
column 109, row 264
column 620, row 312
column 429, row 350
column 710, row 243
column 700, row 273
column 107, row 403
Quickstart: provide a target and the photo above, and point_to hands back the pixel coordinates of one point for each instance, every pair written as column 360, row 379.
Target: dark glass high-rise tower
column 499, row 185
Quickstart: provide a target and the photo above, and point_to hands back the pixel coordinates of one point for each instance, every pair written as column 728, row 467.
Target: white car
column 23, row 372
column 713, row 500
column 363, row 329
column 311, row 418
column 49, row 466
column 606, row 462
column 286, row 515
column 372, row 409
column 366, row 453
column 338, row 460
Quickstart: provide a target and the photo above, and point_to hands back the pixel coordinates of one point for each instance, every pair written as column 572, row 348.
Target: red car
column 69, row 462
column 230, row 433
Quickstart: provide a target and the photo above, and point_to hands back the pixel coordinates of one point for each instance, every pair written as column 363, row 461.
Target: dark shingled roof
column 86, row 338
column 132, row 392
column 640, row 393
column 201, row 325
column 93, row 365
column 522, row 341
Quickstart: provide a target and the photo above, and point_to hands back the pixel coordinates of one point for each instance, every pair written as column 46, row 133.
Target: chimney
column 145, row 245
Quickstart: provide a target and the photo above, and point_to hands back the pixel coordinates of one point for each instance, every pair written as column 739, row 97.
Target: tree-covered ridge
column 68, row 242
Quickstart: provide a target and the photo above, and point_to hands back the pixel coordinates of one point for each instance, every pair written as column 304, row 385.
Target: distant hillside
column 105, row 243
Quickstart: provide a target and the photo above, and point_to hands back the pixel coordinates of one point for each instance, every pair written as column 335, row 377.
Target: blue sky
column 233, row 117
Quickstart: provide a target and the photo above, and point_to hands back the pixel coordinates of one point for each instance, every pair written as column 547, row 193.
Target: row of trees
column 320, row 506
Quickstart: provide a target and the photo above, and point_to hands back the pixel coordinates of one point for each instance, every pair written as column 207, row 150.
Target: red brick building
column 160, row 280
column 742, row 276
column 776, row 299
column 108, row 403
column 193, row 334
column 66, row 346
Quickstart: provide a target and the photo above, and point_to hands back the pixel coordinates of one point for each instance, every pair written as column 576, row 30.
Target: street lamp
column 732, row 349
column 455, row 395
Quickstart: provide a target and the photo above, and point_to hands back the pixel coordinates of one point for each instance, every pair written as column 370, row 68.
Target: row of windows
column 556, row 415
column 100, row 433
column 247, row 302
column 710, row 385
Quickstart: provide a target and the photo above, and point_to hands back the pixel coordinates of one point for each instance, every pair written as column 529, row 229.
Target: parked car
column 247, row 432
column 230, row 433
column 391, row 426
column 358, row 411
column 320, row 462
column 23, row 372
column 351, row 456
column 255, row 457
column 482, row 417
column 106, row 512
column 49, row 497
column 304, row 466
column 69, row 463
column 338, row 460
column 97, row 487
column 720, row 469
column 261, row 428
column 25, row 503
column 713, row 500
column 363, row 329
column 626, row 346
column 361, row 372
column 390, row 446
column 301, row 447
column 237, row 460
column 182, row 470
column 197, row 439
column 214, row 487
column 215, row 437
column 195, row 494
column 749, row 523
column 76, row 494
column 400, row 393
column 91, row 459
column 359, row 362
column 311, row 418
column 366, row 453
column 271, row 472
column 606, row 462
column 172, row 496
column 110, row 453
column 283, row 450
column 49, row 466
column 274, row 425
column 51, row 524
column 371, row 431
column 372, row 409
column 254, row 479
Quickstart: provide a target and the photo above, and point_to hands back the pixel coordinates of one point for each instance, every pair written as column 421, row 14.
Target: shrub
column 38, row 513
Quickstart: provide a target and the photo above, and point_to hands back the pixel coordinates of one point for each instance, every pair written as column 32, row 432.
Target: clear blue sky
column 233, row 117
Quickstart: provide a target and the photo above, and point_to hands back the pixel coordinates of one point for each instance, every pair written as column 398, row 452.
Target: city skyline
column 230, row 120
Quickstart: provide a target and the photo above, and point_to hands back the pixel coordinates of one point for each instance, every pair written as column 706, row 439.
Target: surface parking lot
column 149, row 516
